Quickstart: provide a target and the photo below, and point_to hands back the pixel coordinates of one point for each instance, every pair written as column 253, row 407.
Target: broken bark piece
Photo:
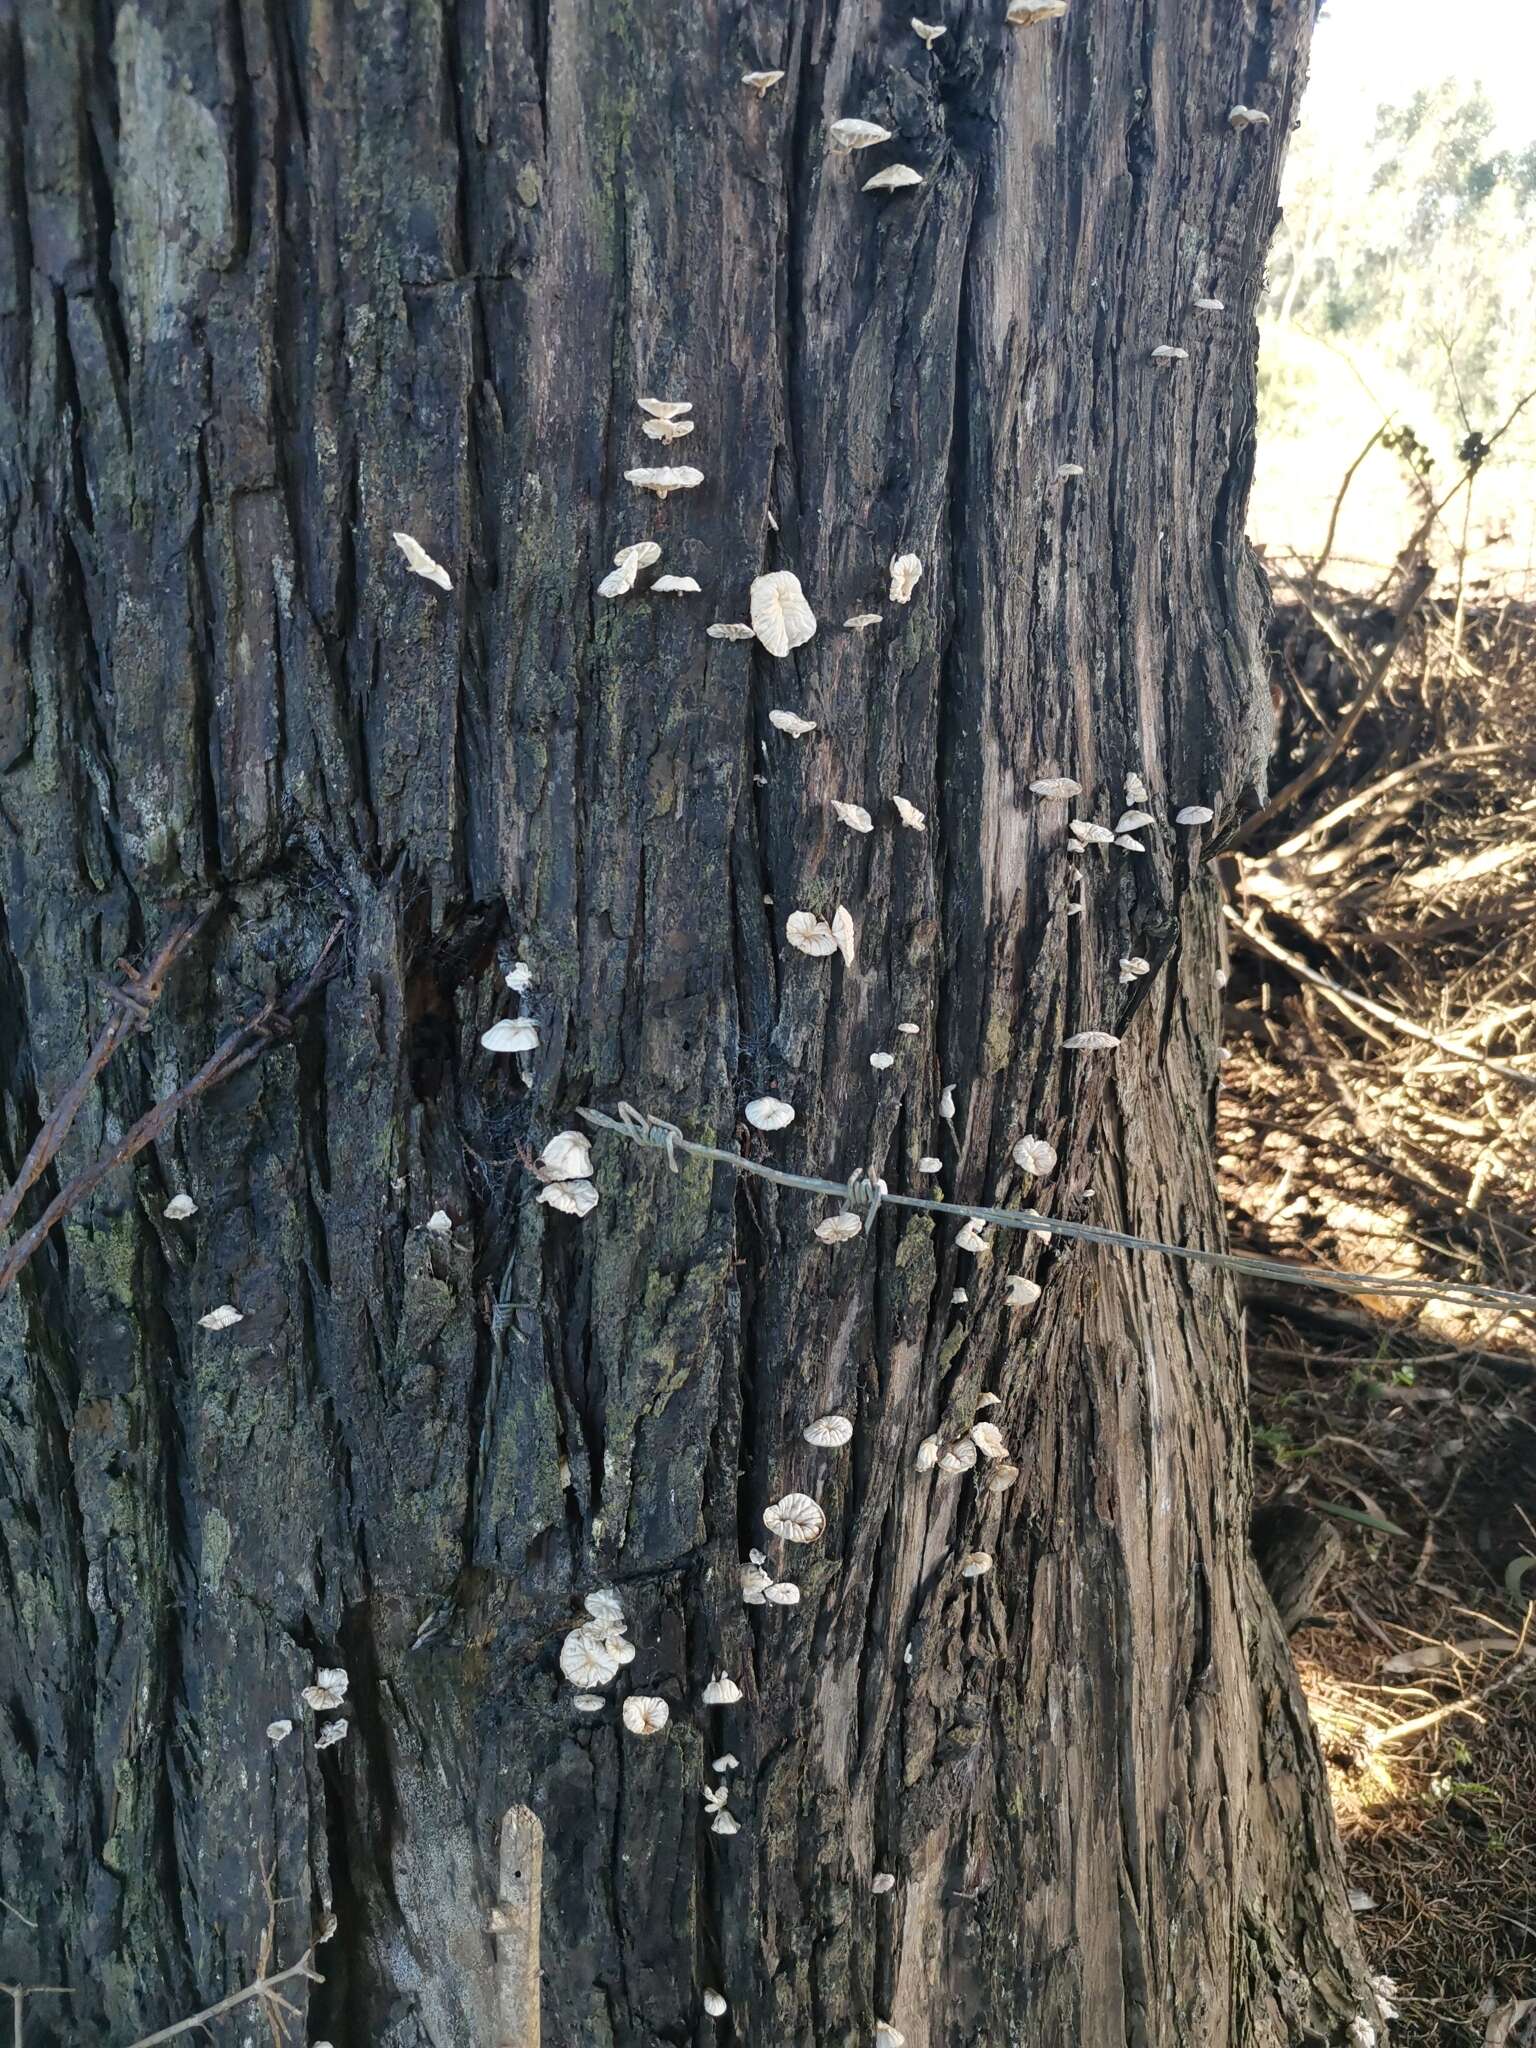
column 515, row 1929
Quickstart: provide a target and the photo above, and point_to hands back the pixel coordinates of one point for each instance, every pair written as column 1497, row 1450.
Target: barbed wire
column 862, row 1191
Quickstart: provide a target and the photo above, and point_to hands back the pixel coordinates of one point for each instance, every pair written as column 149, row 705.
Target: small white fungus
column 792, row 723
column 781, row 618
column 828, row 1432
column 854, row 816
column 179, row 1208
column 224, row 1317
column 645, row 1715
column 512, row 1034
column 905, row 570
column 796, row 1518
column 850, row 134
column 420, row 563
column 768, row 1113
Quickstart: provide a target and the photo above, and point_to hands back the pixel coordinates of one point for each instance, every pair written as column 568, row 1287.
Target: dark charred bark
column 276, row 278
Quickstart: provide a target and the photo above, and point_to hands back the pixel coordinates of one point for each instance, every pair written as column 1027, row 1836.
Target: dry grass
column 1407, row 877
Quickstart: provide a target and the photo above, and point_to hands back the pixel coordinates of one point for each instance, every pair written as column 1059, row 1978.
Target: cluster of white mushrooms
column 323, row 1697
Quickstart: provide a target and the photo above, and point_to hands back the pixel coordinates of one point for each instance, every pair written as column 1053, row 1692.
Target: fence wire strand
column 862, row 1191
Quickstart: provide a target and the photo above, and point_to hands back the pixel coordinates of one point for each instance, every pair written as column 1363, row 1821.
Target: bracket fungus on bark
column 862, row 621
column 676, row 585
column 1194, row 814
column 914, row 819
column 511, row 1034
column 1022, row 1293
column 905, row 571
column 894, row 178
column 663, row 482
column 761, row 82
column 420, row 563
column 721, row 1691
column 796, row 1518
column 828, row 1432
column 792, row 723
column 928, row 31
column 768, row 1113
column 781, row 618
column 644, row 1714
column 570, row 1197
column 665, row 408
column 850, row 134
column 854, row 816
column 1090, row 1041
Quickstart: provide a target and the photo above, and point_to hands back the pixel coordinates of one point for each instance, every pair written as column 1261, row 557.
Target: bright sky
column 1367, row 52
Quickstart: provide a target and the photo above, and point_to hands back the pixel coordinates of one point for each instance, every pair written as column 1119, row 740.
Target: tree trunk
column 277, row 278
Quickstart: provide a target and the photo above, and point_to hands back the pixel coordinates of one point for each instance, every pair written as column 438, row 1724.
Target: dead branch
column 132, row 1003
column 244, row 1044
column 18, row 1994
column 1346, row 999
column 1370, row 688
column 264, row 1988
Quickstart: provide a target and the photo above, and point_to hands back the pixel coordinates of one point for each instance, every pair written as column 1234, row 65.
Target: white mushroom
column 440, row 1223
column 512, row 1034
column 1022, row 1293
column 665, row 408
column 1129, row 844
column 755, row 1583
column 1194, row 814
column 843, row 933
column 420, row 563
column 723, row 1824
column 588, row 1702
column 1001, row 1477
column 910, row 815
column 570, row 1197
column 726, row 1763
column 667, row 430
column 1066, row 470
column 849, row 134
column 854, row 816
column 881, row 1060
column 519, row 978
column 989, row 1440
column 862, row 621
column 828, row 1432
column 840, row 1228
column 331, row 1733
column 894, row 178
column 761, row 82
column 768, row 1113
column 721, row 1691
column 958, row 1457
column 604, row 1605
column 1087, row 833
column 1056, row 787
column 929, row 31
column 808, row 933
column 883, row 1881
column 887, row 2036
column 972, row 1237
column 905, row 570
column 796, row 1518
column 328, row 1690
column 714, row 2004
column 224, row 1317
column 1025, row 13
column 1242, row 117
column 782, row 1594
column 1210, row 305
column 678, row 585
column 587, row 1659
column 1090, row 1041
column 1133, row 967
column 1135, row 789
column 908, row 1030
column 664, row 481
column 928, row 1164
column 792, row 723
column 567, row 1156
column 975, row 1564
column 928, row 1453
column 1132, row 821
column 179, row 1208
column 728, row 629
column 781, row 618
column 1165, row 352
column 1034, row 1154
column 645, row 1715
column 278, row 1731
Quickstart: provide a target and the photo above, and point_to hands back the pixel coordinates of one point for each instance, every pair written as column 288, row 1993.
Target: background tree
column 277, row 280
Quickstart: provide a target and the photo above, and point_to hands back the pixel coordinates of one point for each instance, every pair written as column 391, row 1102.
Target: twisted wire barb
column 864, row 1191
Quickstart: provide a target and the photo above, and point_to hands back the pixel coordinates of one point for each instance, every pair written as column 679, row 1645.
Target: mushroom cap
column 854, row 816
column 567, row 1156
column 840, row 1228
column 224, row 1317
column 781, row 617
column 796, row 1518
column 792, row 723
column 179, row 1208
column 768, row 1113
column 728, row 629
column 677, row 584
column 1090, row 1041
column 808, row 933
column 828, row 1432
column 570, row 1197
column 511, row 1034
column 665, row 408
column 1057, row 786
column 850, row 133
column 894, row 178
column 644, row 1714
column 1034, row 1154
